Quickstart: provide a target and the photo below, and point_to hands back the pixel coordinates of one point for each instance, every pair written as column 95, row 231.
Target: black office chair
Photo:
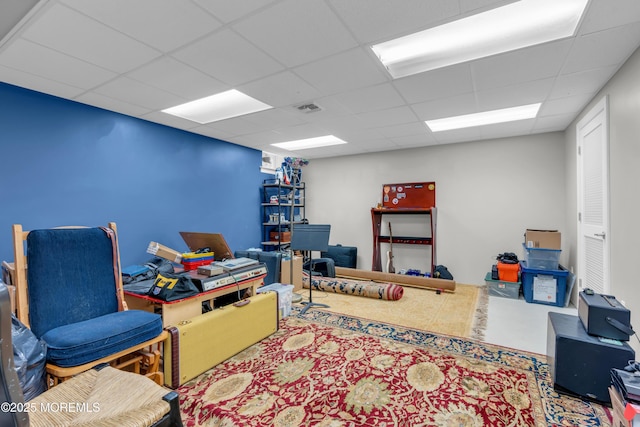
column 307, row 238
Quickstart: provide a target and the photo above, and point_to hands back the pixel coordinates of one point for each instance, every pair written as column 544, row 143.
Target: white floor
column 520, row 325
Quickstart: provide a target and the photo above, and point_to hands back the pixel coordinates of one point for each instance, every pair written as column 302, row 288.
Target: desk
column 175, row 311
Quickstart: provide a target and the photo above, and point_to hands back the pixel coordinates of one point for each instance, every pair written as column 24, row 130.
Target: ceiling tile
column 280, row 89
column 533, row 63
column 458, row 135
column 515, row 95
column 601, row 49
column 162, row 24
column 380, row 20
column 436, row 84
column 392, row 116
column 405, row 129
column 14, row 14
column 263, row 139
column 37, row 83
column 306, row 130
column 413, row 141
column 589, row 81
column 315, row 32
column 273, row 119
column 372, row 98
column 343, row 72
column 478, row 6
column 229, row 58
column 107, row 103
column 173, row 76
column 504, row 130
column 35, row 59
column 170, row 120
column 553, row 123
column 604, row 14
column 137, row 93
column 228, row 11
column 238, row 125
column 446, row 107
column 70, row 32
column 562, row 105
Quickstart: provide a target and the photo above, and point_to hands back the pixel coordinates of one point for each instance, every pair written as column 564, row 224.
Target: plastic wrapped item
column 30, row 357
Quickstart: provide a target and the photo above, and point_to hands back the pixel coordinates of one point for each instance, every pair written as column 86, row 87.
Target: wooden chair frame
column 143, row 358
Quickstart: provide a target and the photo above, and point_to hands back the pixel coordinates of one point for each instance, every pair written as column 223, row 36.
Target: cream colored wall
column 623, row 92
column 488, row 193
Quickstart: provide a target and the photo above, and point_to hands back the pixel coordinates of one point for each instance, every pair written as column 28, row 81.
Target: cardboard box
column 162, row 251
column 285, row 273
column 548, row 239
column 283, row 236
column 618, row 407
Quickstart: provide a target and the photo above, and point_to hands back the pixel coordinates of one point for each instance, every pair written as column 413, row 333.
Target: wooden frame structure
column 143, row 358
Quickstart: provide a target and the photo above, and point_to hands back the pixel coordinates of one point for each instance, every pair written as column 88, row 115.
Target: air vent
column 309, row 108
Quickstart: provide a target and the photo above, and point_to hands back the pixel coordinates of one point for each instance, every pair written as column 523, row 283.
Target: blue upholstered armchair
column 101, row 396
column 71, row 297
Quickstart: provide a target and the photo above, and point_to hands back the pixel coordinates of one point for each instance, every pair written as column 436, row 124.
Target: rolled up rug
column 386, row 291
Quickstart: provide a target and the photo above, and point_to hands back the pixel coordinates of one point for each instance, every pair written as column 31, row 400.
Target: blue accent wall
column 66, row 163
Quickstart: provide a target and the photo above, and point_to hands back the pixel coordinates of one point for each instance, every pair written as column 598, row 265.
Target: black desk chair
column 307, row 238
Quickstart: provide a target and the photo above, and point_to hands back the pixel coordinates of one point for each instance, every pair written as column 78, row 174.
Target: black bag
column 441, row 272
column 30, row 358
column 171, row 287
column 508, row 258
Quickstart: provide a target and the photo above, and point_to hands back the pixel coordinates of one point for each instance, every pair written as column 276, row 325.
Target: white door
column 593, row 199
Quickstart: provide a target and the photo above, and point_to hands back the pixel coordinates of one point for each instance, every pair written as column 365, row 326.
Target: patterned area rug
column 462, row 313
column 326, row 369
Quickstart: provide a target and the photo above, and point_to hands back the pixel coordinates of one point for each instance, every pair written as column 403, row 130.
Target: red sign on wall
column 411, row 195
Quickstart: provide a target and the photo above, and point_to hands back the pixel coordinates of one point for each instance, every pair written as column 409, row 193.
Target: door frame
column 601, row 108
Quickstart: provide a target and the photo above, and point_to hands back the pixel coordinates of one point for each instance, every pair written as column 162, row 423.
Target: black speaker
column 580, row 363
column 604, row 316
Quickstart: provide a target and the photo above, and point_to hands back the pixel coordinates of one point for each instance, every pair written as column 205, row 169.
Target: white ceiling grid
column 140, row 57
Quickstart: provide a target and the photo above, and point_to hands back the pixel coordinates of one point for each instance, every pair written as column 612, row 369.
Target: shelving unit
column 376, row 220
column 282, row 205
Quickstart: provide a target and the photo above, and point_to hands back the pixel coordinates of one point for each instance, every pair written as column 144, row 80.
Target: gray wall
column 623, row 92
column 487, row 194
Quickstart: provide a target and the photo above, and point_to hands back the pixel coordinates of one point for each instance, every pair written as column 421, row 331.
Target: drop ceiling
column 138, row 57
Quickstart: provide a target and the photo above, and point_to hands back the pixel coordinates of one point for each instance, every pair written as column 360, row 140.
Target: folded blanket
column 386, row 291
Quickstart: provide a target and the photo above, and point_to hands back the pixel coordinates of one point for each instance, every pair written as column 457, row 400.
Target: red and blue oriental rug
column 327, row 369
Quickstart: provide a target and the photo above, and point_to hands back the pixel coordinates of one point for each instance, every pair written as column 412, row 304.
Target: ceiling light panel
column 224, row 105
column 484, row 118
column 303, row 144
column 514, row 26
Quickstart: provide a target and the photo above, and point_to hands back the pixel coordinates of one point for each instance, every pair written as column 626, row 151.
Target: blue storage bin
column 542, row 258
column 544, row 286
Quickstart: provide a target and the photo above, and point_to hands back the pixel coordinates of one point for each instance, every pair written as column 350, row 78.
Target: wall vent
column 308, row 108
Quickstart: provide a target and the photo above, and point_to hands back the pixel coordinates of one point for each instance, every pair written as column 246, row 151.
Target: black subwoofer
column 579, row 363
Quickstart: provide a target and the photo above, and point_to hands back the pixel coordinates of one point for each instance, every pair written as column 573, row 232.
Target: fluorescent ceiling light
column 302, row 144
column 485, row 118
column 224, row 105
column 514, row 26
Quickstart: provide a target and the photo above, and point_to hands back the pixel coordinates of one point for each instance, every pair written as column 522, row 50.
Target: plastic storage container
column 285, row 294
column 500, row 288
column 542, row 258
column 508, row 272
column 544, row 286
